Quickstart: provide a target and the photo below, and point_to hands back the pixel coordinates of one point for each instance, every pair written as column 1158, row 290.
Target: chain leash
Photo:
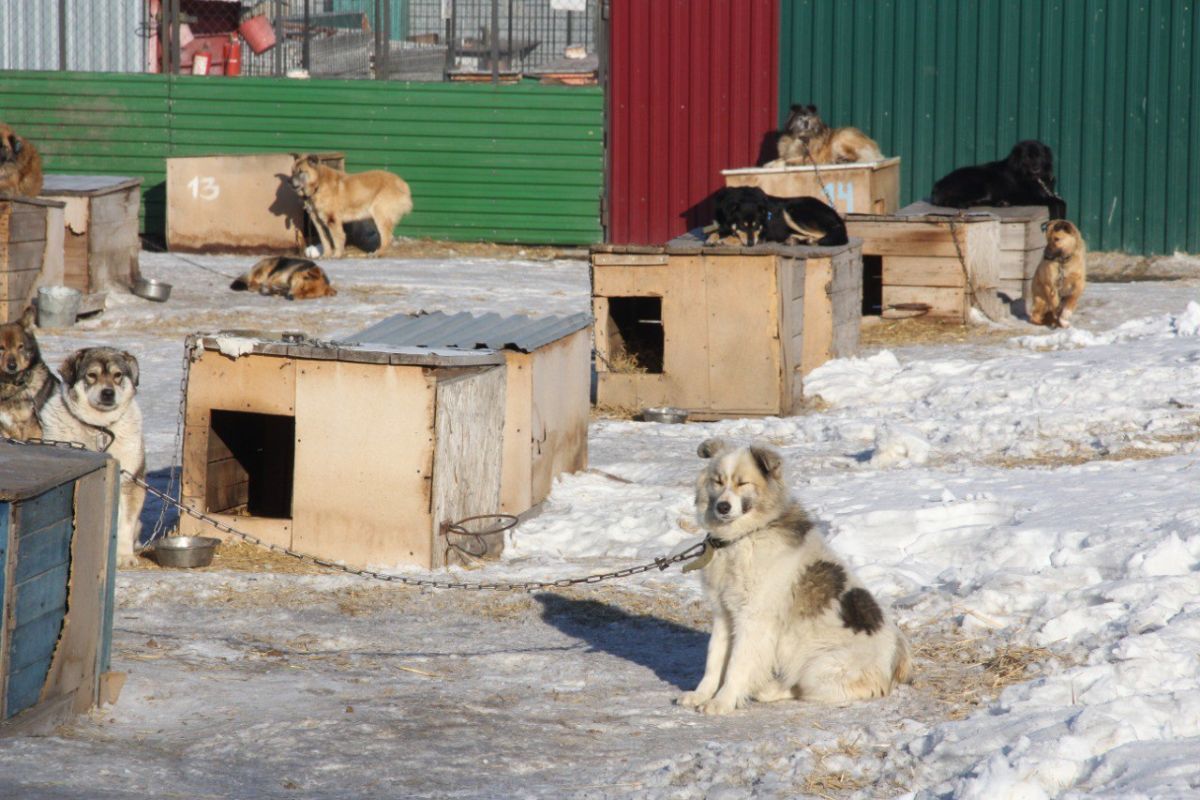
column 817, row 172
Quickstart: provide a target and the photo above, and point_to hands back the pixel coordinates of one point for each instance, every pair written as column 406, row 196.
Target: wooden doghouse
column 31, row 251
column 870, row 187
column 1022, row 240
column 935, row 265
column 547, row 399
column 351, row 453
column 100, row 240
column 57, row 570
column 721, row 331
column 236, row 203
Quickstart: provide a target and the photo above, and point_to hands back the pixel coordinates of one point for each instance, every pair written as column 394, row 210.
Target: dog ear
column 27, row 317
column 711, row 448
column 131, row 366
column 17, row 144
column 311, row 159
column 812, row 109
column 70, row 367
column 768, row 460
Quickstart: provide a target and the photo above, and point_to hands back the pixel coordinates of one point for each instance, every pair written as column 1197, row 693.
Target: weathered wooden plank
column 40, row 594
column 944, row 303
column 33, row 641
column 24, row 688
column 46, row 508
column 923, row 271
column 43, row 550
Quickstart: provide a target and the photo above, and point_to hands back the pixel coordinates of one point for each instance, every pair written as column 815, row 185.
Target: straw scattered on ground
column 879, row 332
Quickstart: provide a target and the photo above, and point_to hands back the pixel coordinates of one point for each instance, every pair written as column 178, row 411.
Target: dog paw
column 127, row 561
column 312, row 251
column 718, row 706
column 692, row 699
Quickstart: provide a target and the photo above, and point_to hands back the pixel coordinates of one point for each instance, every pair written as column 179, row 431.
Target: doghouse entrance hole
column 636, row 336
column 872, row 296
column 250, row 464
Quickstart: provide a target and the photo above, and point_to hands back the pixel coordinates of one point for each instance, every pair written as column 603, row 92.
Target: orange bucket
column 258, row 33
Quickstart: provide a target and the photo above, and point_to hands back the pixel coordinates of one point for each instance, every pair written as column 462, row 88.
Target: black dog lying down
column 1025, row 178
column 752, row 215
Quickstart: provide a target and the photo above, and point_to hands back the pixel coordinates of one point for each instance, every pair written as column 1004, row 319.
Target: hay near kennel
column 720, row 330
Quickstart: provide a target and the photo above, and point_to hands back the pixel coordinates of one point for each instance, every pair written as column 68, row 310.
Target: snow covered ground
column 1027, row 499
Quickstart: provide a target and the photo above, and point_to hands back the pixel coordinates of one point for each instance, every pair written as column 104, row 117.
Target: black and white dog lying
column 753, row 216
column 1024, row 178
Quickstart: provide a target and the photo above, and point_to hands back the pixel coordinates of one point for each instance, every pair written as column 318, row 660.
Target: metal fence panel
column 519, row 163
column 1113, row 86
column 99, row 35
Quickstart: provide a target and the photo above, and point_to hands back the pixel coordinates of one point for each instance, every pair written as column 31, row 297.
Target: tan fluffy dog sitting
column 335, row 198
column 1060, row 278
column 20, row 165
column 806, row 138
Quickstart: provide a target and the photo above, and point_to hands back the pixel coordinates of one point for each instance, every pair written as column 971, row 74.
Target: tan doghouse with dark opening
column 547, row 401
column 936, row 265
column 31, row 251
column 718, row 330
column 351, row 453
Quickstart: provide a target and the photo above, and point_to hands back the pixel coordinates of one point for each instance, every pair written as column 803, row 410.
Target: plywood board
column 744, row 363
column 865, row 188
column 272, row 531
column 944, row 303
column 253, row 383
column 626, row 281
column 687, row 310
column 469, row 443
column 818, row 313
column 517, row 460
column 561, row 386
column 923, row 271
column 629, row 259
column 364, row 462
column 790, row 277
column 900, row 237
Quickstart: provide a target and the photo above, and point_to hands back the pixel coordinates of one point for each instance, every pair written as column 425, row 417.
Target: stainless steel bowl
column 150, row 289
column 185, row 551
column 664, row 414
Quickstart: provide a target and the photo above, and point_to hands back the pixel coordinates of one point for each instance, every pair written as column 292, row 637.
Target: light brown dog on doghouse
column 20, row 165
column 805, row 129
column 1060, row 278
column 335, row 197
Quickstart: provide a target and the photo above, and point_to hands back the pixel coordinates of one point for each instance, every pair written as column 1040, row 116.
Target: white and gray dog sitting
column 96, row 406
column 789, row 618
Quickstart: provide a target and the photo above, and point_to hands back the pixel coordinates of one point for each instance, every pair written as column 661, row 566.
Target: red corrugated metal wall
column 692, row 89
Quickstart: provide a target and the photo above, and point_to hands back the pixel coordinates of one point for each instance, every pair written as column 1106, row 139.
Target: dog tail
column 809, row 233
column 240, row 284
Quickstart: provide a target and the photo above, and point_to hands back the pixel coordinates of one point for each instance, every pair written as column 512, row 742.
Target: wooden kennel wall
column 350, row 453
column 547, row 400
column 100, row 240
column 1022, row 240
column 31, row 251
column 236, row 203
column 721, row 331
column 57, row 569
column 871, row 187
column 932, row 264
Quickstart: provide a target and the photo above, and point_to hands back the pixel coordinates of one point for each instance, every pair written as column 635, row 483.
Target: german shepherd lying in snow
column 26, row 383
column 335, row 198
column 789, row 619
column 753, row 216
column 294, row 278
column 1060, row 279
column 806, row 138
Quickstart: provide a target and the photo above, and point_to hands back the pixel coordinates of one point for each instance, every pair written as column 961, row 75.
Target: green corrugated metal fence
column 1112, row 86
column 521, row 163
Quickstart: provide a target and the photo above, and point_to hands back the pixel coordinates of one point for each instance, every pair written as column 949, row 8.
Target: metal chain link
column 661, row 563
column 817, row 173
column 176, row 468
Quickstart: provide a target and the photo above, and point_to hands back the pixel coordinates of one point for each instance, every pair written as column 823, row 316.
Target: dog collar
column 715, row 543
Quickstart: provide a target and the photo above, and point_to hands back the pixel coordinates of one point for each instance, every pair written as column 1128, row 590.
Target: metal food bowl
column 185, row 551
column 158, row 291
column 664, row 414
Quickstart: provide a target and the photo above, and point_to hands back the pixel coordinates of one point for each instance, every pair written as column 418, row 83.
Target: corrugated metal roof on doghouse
column 469, row 332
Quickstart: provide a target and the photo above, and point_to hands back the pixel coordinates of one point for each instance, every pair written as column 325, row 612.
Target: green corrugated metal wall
column 521, row 163
column 1112, row 86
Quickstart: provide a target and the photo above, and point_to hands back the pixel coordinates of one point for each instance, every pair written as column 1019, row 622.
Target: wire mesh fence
column 415, row 40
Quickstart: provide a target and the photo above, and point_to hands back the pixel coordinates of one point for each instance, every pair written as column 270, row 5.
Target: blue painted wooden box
column 57, row 569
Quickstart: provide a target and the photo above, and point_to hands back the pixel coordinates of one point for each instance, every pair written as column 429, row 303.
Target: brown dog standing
column 336, row 198
column 20, row 165
column 1060, row 278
